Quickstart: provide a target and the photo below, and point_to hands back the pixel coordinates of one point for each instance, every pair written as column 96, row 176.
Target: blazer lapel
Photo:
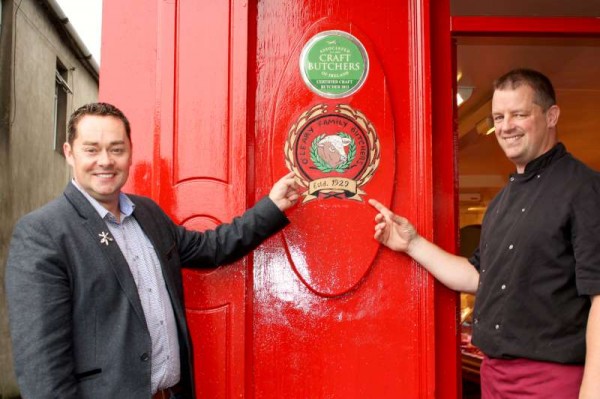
column 100, row 236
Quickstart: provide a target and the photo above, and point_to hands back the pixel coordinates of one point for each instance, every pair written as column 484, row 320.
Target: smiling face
column 100, row 156
column 524, row 129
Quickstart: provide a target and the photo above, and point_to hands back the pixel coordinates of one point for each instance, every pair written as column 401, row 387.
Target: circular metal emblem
column 334, row 64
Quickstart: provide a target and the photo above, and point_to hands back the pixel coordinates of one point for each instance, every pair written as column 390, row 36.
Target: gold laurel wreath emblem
column 351, row 185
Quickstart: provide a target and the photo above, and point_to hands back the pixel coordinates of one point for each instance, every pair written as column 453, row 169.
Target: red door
column 225, row 97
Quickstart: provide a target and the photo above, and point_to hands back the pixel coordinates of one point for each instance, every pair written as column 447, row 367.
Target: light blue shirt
column 146, row 271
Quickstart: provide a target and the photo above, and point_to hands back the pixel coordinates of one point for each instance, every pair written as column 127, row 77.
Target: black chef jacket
column 539, row 260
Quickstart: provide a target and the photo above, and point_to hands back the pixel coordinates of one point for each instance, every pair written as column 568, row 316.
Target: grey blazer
column 77, row 325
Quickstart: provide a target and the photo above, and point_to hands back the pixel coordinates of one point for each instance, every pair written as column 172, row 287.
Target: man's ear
column 552, row 115
column 68, row 151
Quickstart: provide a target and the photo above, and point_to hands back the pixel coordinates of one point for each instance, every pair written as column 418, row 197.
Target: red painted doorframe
column 571, row 26
column 445, row 188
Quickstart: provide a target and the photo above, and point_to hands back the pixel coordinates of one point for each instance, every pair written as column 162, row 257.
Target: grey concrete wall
column 7, row 384
column 32, row 173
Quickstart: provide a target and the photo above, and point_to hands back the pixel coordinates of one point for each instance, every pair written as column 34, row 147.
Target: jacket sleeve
column 230, row 241
column 39, row 303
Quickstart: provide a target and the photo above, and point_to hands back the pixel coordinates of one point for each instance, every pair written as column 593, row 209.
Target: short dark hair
column 544, row 95
column 99, row 109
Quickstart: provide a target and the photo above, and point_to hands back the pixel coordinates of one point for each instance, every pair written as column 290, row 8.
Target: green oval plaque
column 334, row 64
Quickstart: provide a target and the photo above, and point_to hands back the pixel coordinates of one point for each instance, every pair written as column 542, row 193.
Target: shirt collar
column 126, row 206
column 544, row 160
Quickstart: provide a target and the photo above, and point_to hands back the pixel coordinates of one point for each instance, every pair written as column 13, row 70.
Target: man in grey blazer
column 93, row 278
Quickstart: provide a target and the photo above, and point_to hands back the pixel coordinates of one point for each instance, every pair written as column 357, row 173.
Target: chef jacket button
column 497, row 326
column 511, row 246
column 512, row 179
column 538, row 176
column 523, row 210
column 145, row 357
column 503, row 286
column 476, row 321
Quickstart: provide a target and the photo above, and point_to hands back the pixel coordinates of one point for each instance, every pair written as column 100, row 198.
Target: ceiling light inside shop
column 485, row 126
column 463, row 93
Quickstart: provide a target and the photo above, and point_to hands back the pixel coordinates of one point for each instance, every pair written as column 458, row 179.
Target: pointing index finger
column 380, row 207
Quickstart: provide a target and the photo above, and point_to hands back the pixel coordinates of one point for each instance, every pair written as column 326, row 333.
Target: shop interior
column 573, row 65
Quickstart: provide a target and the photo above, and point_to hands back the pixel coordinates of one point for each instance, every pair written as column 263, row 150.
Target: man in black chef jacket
column 536, row 272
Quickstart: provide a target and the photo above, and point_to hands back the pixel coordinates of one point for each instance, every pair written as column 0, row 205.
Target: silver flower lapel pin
column 105, row 238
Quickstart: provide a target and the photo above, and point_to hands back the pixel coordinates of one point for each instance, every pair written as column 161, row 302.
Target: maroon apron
column 524, row 378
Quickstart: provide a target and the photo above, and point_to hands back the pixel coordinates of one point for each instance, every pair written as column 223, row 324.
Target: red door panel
column 334, row 315
column 186, row 98
column 209, row 178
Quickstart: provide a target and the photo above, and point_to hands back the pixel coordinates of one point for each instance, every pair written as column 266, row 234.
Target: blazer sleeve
column 39, row 303
column 230, row 241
